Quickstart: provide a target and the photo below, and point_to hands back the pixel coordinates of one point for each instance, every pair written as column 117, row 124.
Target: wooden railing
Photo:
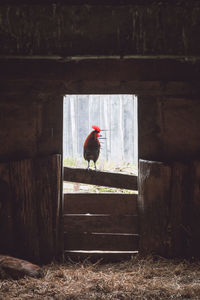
column 118, row 180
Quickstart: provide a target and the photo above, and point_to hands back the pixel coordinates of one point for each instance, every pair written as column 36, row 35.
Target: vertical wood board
column 34, row 213
column 153, row 203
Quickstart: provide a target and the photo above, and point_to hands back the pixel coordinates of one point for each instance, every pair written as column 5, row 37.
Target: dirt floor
column 150, row 278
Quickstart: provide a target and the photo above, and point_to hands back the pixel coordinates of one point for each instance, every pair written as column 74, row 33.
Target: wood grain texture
column 118, row 180
column 194, row 220
column 92, row 29
column 105, row 242
column 32, row 189
column 25, row 213
column 168, row 128
column 100, row 223
column 179, row 209
column 149, row 75
column 153, row 202
column 6, row 212
column 30, row 129
column 104, row 203
column 106, row 222
column 53, row 87
column 47, row 189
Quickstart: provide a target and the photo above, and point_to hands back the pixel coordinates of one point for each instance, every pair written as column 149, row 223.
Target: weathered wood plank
column 100, row 224
column 179, row 210
column 153, row 205
column 194, row 223
column 106, row 242
column 25, row 221
column 6, row 212
column 137, row 68
column 176, row 119
column 114, row 204
column 103, row 256
column 47, row 172
column 45, row 87
column 33, row 220
column 118, row 180
column 49, row 37
column 144, row 76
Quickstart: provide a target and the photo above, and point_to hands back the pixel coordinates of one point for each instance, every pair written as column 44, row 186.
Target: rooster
column 91, row 147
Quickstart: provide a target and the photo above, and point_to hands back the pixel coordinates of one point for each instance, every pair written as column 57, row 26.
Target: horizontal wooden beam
column 101, row 75
column 111, row 68
column 100, row 224
column 38, row 89
column 105, row 2
column 106, row 242
column 117, row 180
column 104, row 203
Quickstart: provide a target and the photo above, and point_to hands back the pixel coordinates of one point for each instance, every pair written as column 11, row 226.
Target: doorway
column 100, row 218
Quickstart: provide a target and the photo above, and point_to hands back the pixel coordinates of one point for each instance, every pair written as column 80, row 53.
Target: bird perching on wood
column 91, row 147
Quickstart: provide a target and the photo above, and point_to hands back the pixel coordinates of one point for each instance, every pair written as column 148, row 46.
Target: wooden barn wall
column 169, row 153
column 52, row 48
column 30, row 177
column 30, row 127
column 65, row 29
column 169, row 128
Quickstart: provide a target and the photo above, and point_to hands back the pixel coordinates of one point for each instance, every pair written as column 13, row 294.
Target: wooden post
column 169, row 212
column 194, row 215
column 30, row 212
column 153, row 202
column 6, row 225
column 179, row 209
column 47, row 172
column 24, row 209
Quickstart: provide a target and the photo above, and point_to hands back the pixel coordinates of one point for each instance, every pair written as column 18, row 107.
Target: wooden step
column 101, row 241
column 102, row 256
column 104, row 203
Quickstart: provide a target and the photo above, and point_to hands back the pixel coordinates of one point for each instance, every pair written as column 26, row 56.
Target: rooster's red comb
column 96, row 128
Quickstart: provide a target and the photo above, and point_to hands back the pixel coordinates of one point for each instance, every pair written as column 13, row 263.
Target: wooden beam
column 133, row 68
column 100, row 224
column 43, row 88
column 102, row 241
column 136, row 75
column 104, row 2
column 104, row 203
column 118, row 180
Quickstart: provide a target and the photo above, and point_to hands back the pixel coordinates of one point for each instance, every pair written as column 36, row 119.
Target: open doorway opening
column 117, row 114
column 100, row 207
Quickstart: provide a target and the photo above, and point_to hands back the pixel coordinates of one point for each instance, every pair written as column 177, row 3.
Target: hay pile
column 150, row 278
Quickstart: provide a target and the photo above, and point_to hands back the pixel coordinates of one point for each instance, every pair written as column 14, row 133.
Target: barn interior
column 52, row 48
